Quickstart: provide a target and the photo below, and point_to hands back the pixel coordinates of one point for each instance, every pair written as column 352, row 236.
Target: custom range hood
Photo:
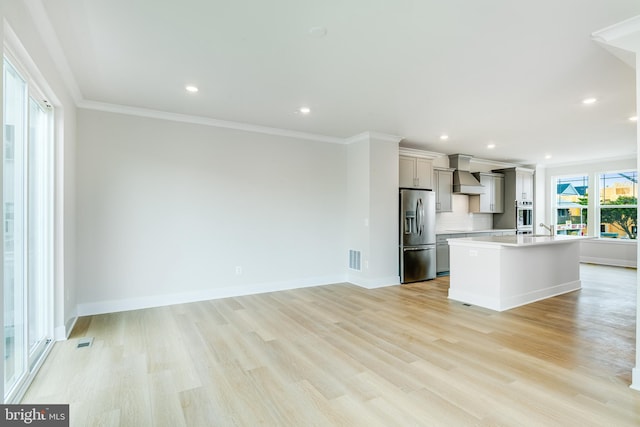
column 463, row 181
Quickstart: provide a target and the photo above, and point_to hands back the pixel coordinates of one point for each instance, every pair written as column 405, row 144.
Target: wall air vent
column 354, row 260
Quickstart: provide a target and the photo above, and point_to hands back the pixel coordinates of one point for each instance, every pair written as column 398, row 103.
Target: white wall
column 609, row 252
column 626, row 36
column 372, row 214
column 541, row 201
column 358, row 189
column 384, row 219
column 26, row 40
column 167, row 211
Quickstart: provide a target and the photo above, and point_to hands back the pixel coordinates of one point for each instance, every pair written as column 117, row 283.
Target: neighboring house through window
column 572, row 205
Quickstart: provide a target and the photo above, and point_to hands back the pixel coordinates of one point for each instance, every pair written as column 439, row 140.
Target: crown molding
column 394, row 139
column 496, row 164
column 414, row 152
column 617, row 31
column 50, row 40
column 366, row 136
column 26, row 66
column 621, row 39
column 205, row 121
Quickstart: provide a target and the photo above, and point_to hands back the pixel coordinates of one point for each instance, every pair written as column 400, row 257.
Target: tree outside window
column 619, row 205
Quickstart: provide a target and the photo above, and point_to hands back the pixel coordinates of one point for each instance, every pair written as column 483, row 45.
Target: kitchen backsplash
column 461, row 218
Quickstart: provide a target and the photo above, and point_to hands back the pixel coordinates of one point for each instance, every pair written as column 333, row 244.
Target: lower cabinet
column 442, row 253
column 442, row 246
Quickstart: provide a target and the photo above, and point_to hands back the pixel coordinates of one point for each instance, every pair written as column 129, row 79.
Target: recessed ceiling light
column 548, row 156
column 191, row 88
column 633, row 118
column 317, row 32
column 589, row 101
column 491, row 146
column 444, row 137
column 305, row 110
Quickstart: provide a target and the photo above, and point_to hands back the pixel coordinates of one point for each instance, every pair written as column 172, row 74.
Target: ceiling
column 501, row 72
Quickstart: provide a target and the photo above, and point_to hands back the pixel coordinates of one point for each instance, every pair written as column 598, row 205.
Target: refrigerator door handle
column 420, row 217
column 417, row 249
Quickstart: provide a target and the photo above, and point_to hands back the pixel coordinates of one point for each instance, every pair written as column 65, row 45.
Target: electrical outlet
column 238, row 270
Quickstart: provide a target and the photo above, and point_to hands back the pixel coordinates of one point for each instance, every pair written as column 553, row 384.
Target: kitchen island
column 503, row 272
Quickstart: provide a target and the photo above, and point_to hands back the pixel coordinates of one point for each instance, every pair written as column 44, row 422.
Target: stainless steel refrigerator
column 417, row 235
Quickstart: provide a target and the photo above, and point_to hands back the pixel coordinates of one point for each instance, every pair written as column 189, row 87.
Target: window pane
column 618, row 204
column 15, row 95
column 620, row 188
column 572, row 195
column 27, row 219
column 37, row 227
column 618, row 222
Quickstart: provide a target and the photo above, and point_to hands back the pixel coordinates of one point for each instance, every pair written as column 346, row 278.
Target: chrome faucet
column 548, row 227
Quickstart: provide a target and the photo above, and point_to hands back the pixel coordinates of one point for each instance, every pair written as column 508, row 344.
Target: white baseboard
column 615, row 262
column 114, row 306
column 538, row 295
column 635, row 379
column 60, row 333
column 507, row 303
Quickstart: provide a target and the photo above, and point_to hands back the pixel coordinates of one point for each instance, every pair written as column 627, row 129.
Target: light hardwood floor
column 341, row 355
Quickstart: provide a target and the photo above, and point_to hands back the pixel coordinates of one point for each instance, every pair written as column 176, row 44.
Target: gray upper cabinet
column 443, row 185
column 518, row 187
column 416, row 172
column 492, row 201
column 518, row 184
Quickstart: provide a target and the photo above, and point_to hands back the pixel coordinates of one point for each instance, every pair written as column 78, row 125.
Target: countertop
column 522, row 240
column 491, row 230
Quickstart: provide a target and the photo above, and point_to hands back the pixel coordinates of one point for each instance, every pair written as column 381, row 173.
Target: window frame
column 586, row 231
column 594, row 207
column 600, row 206
column 34, row 357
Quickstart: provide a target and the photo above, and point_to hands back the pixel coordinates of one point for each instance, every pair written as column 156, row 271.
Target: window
column 618, row 203
column 572, row 205
column 27, row 208
column 611, row 211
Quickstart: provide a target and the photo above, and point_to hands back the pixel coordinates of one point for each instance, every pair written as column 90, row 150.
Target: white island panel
column 500, row 274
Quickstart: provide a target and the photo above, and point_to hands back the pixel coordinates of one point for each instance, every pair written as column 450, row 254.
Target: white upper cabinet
column 416, row 172
column 524, row 185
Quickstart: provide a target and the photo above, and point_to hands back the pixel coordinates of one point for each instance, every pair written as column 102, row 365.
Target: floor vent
column 354, row 260
column 84, row 342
